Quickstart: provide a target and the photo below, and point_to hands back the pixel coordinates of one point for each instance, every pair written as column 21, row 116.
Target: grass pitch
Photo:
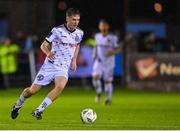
column 129, row 110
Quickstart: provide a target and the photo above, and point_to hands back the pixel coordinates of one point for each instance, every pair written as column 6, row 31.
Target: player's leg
column 98, row 87
column 34, row 88
column 96, row 76
column 109, row 90
column 60, row 83
column 29, row 91
column 108, row 78
column 42, row 78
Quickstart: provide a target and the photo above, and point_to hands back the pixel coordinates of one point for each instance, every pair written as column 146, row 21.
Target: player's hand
column 73, row 66
column 110, row 53
column 51, row 56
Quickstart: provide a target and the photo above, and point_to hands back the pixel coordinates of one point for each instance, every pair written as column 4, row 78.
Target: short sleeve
column 81, row 37
column 52, row 35
column 116, row 44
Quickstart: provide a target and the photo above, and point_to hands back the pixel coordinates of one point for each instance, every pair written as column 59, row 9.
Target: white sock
column 97, row 85
column 108, row 90
column 20, row 101
column 46, row 102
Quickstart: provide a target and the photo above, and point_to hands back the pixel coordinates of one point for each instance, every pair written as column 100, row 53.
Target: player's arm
column 116, row 49
column 94, row 54
column 113, row 52
column 45, row 48
column 74, row 59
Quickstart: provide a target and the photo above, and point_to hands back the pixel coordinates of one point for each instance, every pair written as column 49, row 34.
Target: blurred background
column 148, row 31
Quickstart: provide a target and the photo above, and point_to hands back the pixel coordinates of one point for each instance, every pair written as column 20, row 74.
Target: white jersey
column 63, row 43
column 104, row 45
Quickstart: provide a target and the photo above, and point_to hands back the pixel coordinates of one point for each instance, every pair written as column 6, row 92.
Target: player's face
column 103, row 27
column 73, row 21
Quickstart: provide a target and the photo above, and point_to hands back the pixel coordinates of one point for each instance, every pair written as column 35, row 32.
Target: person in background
column 20, row 39
column 104, row 60
column 8, row 59
column 131, row 43
column 90, row 41
column 152, row 44
column 31, row 43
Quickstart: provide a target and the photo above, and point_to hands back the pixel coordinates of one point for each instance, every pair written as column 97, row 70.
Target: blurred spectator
column 20, row 39
column 28, row 44
column 172, row 48
column 152, row 44
column 32, row 42
column 131, row 43
column 149, row 42
column 36, row 41
column 8, row 59
column 174, row 45
column 118, row 33
column 89, row 42
column 90, row 39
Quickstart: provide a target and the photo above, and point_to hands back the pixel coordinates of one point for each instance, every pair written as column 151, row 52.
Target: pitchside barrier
column 153, row 71
column 29, row 63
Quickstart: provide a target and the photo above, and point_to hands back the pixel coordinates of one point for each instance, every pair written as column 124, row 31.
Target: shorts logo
column 40, row 77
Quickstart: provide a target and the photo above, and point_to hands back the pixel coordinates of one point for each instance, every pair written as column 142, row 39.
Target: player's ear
column 67, row 18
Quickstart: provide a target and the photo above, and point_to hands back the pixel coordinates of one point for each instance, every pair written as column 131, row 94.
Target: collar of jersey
column 68, row 29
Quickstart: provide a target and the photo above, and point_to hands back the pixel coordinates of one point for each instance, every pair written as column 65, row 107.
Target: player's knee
column 27, row 90
column 27, row 93
column 96, row 77
column 31, row 91
column 59, row 87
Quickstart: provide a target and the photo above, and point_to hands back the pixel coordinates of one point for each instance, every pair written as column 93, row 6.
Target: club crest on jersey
column 40, row 77
column 77, row 38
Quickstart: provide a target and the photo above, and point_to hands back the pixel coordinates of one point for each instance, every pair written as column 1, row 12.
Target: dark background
column 39, row 16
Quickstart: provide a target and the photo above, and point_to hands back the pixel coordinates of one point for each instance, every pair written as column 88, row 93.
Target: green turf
column 129, row 110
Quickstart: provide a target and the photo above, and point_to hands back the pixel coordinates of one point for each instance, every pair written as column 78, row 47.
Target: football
column 88, row 116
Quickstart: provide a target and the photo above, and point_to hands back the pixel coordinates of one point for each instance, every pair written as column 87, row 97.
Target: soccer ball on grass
column 88, row 116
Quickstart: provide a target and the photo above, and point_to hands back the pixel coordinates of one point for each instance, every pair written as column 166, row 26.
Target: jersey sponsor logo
column 57, row 43
column 69, row 44
column 40, row 77
column 64, row 36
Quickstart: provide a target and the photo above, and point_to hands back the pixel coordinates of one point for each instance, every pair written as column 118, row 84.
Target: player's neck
column 105, row 33
column 69, row 28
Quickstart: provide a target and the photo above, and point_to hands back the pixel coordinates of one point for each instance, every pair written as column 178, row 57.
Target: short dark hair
column 72, row 11
column 104, row 21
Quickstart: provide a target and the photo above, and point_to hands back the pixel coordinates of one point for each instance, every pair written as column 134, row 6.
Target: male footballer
column 104, row 56
column 61, row 47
